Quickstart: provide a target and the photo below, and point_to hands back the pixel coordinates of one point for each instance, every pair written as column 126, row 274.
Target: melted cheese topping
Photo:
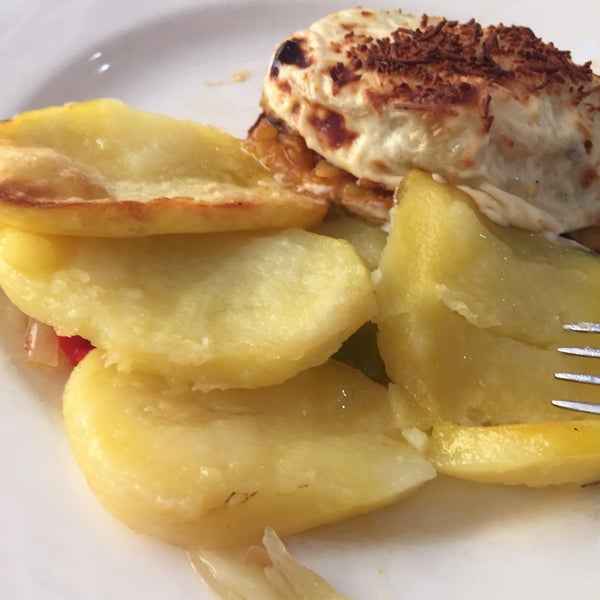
column 494, row 110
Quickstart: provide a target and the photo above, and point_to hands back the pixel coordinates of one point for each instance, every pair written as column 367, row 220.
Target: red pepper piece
column 74, row 347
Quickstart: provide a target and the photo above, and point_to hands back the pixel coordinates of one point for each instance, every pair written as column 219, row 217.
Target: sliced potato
column 553, row 452
column 471, row 313
column 214, row 469
column 368, row 238
column 219, row 310
column 102, row 168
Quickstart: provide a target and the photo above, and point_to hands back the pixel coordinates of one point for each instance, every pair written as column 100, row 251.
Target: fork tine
column 579, row 377
column 588, row 407
column 585, row 351
column 584, row 326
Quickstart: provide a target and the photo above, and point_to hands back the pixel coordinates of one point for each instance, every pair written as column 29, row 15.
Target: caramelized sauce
column 285, row 154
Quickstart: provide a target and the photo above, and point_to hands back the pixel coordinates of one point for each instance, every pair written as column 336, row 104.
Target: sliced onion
column 261, row 573
column 41, row 344
column 285, row 573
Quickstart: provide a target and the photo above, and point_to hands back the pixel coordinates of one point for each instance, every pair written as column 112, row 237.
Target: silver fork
column 588, row 407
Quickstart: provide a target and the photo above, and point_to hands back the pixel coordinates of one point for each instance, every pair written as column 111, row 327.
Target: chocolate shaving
column 342, row 75
column 444, row 63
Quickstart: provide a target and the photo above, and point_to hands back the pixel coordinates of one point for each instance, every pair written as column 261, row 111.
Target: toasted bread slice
column 102, row 168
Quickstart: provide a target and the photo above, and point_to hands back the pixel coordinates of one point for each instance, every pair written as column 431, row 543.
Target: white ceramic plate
column 451, row 539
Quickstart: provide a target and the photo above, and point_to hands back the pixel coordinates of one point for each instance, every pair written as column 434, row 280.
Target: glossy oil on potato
column 102, row 168
column 217, row 310
column 544, row 453
column 214, row 469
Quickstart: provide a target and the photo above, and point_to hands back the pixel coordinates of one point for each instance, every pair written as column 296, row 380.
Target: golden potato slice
column 102, row 168
column 214, row 469
column 367, row 238
column 471, row 312
column 219, row 310
column 553, row 452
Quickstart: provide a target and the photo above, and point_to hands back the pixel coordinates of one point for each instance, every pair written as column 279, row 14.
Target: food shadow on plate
column 454, row 536
column 447, row 508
